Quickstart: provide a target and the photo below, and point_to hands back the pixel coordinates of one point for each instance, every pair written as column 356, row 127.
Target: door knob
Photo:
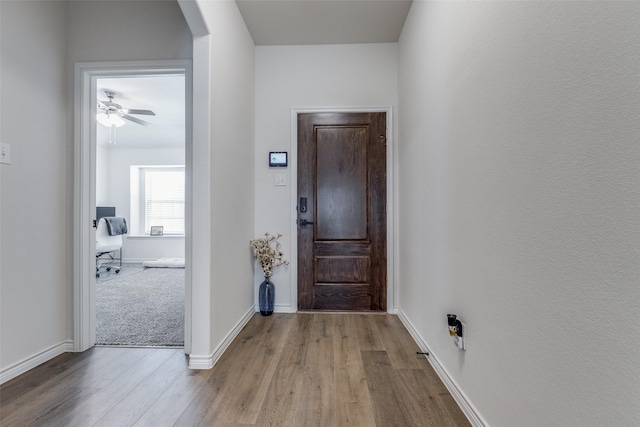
column 302, row 222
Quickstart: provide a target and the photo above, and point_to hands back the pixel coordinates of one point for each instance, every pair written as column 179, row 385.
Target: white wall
column 287, row 77
column 232, row 192
column 103, row 183
column 35, row 232
column 117, row 180
column 224, row 103
column 520, row 204
column 127, row 31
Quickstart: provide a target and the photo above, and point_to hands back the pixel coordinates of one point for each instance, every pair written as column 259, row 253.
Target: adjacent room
column 140, row 170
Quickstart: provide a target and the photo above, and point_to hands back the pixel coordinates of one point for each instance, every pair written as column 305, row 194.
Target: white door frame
column 391, row 225
column 84, row 197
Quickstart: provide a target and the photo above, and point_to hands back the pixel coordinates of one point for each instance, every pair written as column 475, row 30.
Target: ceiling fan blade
column 135, row 120
column 142, row 112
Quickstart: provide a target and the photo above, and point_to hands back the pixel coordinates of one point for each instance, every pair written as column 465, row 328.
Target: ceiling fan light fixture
column 109, row 120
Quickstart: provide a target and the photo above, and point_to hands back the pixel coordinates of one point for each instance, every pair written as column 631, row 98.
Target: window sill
column 146, row 236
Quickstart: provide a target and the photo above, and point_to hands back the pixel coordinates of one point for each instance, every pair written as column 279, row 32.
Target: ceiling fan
column 112, row 114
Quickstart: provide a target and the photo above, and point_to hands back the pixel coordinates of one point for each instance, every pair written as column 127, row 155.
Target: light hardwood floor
column 283, row 370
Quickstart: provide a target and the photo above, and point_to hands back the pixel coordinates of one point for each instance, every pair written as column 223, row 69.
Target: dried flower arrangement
column 270, row 257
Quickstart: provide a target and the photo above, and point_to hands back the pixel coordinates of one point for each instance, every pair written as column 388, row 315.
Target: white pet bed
column 165, row 263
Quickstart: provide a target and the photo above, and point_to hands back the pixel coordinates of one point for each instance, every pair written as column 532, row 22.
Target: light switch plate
column 5, row 154
column 280, row 179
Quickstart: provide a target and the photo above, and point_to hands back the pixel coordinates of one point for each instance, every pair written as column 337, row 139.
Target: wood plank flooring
column 304, row 369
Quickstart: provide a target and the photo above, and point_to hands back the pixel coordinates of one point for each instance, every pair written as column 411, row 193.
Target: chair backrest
column 104, row 242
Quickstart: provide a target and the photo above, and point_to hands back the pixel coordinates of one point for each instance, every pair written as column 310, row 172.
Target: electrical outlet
column 5, row 154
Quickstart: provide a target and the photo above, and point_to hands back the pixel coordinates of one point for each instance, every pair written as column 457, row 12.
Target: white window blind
column 164, row 200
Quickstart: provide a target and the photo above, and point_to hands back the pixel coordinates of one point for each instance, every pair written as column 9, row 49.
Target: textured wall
column 36, row 254
column 127, row 31
column 520, row 203
column 231, row 100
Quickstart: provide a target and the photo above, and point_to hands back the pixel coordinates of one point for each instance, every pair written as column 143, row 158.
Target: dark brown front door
column 342, row 229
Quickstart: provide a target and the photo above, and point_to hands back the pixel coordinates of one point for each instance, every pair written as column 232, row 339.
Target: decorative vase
column 266, row 296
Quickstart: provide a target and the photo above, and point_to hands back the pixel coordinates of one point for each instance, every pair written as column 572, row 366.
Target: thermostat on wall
column 277, row 159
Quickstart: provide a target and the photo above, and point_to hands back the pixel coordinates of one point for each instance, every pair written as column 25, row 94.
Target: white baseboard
column 200, row 362
column 284, row 309
column 279, row 309
column 31, row 362
column 136, row 260
column 461, row 399
column 208, row 361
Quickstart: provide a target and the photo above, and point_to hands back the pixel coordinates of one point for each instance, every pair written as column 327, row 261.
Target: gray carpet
column 143, row 308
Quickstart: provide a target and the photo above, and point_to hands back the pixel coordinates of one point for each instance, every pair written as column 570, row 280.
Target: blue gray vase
column 266, row 296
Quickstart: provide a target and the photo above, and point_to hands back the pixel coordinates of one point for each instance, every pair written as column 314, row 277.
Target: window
column 162, row 198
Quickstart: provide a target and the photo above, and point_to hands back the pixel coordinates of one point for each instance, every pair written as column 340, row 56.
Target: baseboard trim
column 279, row 309
column 31, row 362
column 461, row 399
column 209, row 361
column 283, row 309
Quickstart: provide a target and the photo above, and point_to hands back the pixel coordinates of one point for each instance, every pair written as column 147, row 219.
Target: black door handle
column 302, row 222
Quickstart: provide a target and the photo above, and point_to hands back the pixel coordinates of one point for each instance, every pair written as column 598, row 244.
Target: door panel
column 342, row 175
column 350, row 269
column 341, row 182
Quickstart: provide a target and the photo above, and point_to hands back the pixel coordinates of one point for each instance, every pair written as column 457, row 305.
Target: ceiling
column 297, row 22
column 270, row 22
column 163, row 94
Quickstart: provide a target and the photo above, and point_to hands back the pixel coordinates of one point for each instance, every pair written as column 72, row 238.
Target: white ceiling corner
column 307, row 22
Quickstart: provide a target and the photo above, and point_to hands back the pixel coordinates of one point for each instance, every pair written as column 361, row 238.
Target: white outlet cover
column 461, row 342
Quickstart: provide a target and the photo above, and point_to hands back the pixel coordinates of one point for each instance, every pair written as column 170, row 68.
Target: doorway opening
column 140, row 180
column 129, row 162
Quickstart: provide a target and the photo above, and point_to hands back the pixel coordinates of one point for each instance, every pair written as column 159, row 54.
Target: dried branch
column 269, row 256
